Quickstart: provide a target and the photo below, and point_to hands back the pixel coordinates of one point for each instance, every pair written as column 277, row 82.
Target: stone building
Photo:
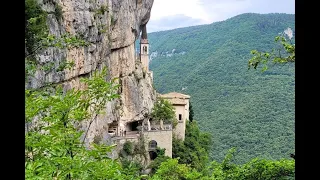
column 181, row 104
column 155, row 135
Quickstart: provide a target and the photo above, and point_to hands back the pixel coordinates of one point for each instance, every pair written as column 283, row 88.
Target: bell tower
column 144, row 49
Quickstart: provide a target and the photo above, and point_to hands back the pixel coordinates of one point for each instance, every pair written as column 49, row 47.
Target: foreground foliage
column 53, row 149
column 194, row 150
column 255, row 169
column 283, row 54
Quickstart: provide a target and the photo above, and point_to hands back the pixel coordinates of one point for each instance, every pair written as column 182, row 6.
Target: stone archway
column 153, row 145
column 153, row 149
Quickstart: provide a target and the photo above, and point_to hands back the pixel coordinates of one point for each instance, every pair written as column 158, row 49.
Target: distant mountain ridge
column 242, row 108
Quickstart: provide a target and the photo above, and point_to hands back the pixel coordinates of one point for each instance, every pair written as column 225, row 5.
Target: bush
column 35, row 24
column 58, row 12
column 128, row 147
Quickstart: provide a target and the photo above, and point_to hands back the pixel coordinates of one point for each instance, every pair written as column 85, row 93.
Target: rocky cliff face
column 111, row 27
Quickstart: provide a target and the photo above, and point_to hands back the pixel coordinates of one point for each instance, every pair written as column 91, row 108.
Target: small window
column 145, row 49
column 180, row 117
column 153, row 144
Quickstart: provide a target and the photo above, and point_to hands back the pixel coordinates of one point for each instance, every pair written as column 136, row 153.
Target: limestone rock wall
column 111, row 27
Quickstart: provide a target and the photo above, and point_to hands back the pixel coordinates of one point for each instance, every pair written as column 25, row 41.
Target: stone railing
column 157, row 127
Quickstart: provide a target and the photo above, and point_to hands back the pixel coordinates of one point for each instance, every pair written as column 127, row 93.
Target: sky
column 172, row 14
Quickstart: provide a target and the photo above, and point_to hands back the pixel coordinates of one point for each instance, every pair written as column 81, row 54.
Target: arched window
column 145, row 49
column 152, row 144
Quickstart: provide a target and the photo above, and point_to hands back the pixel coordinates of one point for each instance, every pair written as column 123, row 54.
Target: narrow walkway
column 129, row 135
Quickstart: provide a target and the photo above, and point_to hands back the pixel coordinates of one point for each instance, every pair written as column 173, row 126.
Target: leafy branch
column 99, row 92
column 53, row 147
column 284, row 54
column 163, row 110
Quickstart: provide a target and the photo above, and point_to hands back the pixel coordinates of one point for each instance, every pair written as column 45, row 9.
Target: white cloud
column 191, row 8
column 172, row 22
column 194, row 12
column 221, row 10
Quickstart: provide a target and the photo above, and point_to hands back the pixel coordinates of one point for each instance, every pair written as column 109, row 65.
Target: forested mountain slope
column 246, row 109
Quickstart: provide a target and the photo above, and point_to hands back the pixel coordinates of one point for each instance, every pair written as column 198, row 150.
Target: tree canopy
column 163, row 110
column 249, row 110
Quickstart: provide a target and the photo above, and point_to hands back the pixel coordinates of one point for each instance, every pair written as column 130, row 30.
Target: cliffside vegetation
column 37, row 38
column 194, row 150
column 53, row 145
column 53, row 149
column 246, row 109
column 163, row 111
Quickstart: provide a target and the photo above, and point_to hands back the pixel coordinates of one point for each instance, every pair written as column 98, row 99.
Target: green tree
column 284, row 54
column 161, row 157
column 194, row 150
column 163, row 111
column 255, row 169
column 37, row 38
column 52, row 142
column 171, row 169
column 35, row 25
column 191, row 113
column 53, row 149
column 133, row 157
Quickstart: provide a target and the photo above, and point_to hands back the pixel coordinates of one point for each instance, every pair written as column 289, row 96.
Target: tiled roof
column 175, row 95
